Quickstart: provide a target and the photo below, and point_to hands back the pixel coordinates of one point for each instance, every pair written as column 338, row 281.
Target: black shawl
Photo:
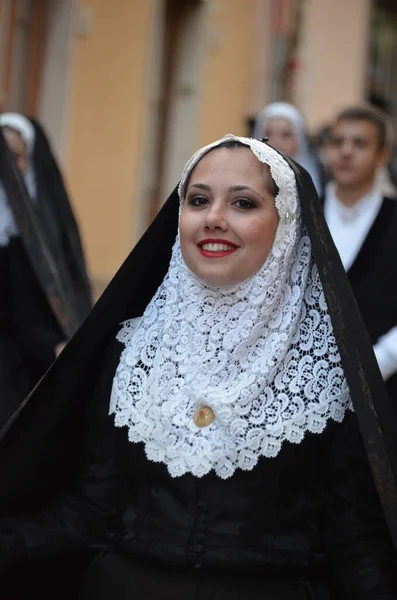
column 53, row 196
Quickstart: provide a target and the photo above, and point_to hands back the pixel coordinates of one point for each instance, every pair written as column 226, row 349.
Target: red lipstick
column 216, row 253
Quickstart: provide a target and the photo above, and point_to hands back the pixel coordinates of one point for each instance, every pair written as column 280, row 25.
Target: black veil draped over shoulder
column 52, row 194
column 41, row 448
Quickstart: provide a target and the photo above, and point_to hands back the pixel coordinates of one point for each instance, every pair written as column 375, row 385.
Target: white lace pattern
column 261, row 354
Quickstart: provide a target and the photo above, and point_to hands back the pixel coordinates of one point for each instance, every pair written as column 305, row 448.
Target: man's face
column 355, row 153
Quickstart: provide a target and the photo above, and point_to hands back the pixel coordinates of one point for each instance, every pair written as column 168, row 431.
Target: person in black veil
column 45, row 186
column 30, row 336
column 199, row 434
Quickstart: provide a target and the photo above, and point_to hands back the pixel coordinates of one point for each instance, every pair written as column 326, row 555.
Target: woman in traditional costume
column 199, row 434
column 30, row 336
column 285, row 128
column 51, row 209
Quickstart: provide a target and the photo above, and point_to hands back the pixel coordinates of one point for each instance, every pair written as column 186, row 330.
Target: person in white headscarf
column 285, row 129
column 49, row 199
column 20, row 137
column 198, row 428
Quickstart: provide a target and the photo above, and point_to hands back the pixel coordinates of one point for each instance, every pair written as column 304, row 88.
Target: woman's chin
column 218, row 280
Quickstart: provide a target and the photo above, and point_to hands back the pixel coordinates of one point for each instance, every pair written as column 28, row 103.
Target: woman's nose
column 215, row 218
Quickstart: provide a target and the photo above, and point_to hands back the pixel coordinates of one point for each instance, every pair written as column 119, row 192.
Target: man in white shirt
column 364, row 227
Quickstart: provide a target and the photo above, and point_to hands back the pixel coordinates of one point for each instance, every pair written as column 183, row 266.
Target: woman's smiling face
column 228, row 218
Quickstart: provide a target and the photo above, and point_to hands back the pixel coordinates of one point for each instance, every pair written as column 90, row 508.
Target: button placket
column 199, row 535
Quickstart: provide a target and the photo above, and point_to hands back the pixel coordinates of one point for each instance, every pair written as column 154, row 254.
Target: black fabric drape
column 29, row 332
column 370, row 399
column 58, row 410
column 53, row 279
column 53, row 197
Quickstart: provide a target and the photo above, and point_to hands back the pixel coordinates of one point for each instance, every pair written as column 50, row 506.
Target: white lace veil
column 261, row 354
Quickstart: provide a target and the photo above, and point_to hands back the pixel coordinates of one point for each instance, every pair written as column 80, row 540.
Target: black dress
column 14, row 378
column 28, row 330
column 298, row 526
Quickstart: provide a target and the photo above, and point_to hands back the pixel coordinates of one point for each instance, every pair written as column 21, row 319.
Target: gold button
column 204, row 416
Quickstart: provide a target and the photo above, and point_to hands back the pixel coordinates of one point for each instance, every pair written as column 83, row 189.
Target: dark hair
column 363, row 113
column 231, row 145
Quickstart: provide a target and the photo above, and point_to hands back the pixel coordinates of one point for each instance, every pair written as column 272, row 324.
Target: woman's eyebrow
column 232, row 188
column 242, row 188
column 201, row 186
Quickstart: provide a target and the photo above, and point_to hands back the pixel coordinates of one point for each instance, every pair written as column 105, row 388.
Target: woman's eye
column 197, row 201
column 245, row 204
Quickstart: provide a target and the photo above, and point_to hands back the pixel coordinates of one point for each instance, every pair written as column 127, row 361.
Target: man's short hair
column 363, row 113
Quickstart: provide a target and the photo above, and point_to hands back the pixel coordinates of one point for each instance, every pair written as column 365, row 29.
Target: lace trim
column 262, row 355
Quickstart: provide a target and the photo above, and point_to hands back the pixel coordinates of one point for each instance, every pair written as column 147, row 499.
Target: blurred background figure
column 363, row 223
column 321, row 143
column 43, row 275
column 283, row 124
column 30, row 336
column 44, row 183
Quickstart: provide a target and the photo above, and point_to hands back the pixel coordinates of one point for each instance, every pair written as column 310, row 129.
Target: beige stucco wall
column 234, row 62
column 4, row 28
column 106, row 117
column 55, row 78
column 332, row 65
column 108, row 109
